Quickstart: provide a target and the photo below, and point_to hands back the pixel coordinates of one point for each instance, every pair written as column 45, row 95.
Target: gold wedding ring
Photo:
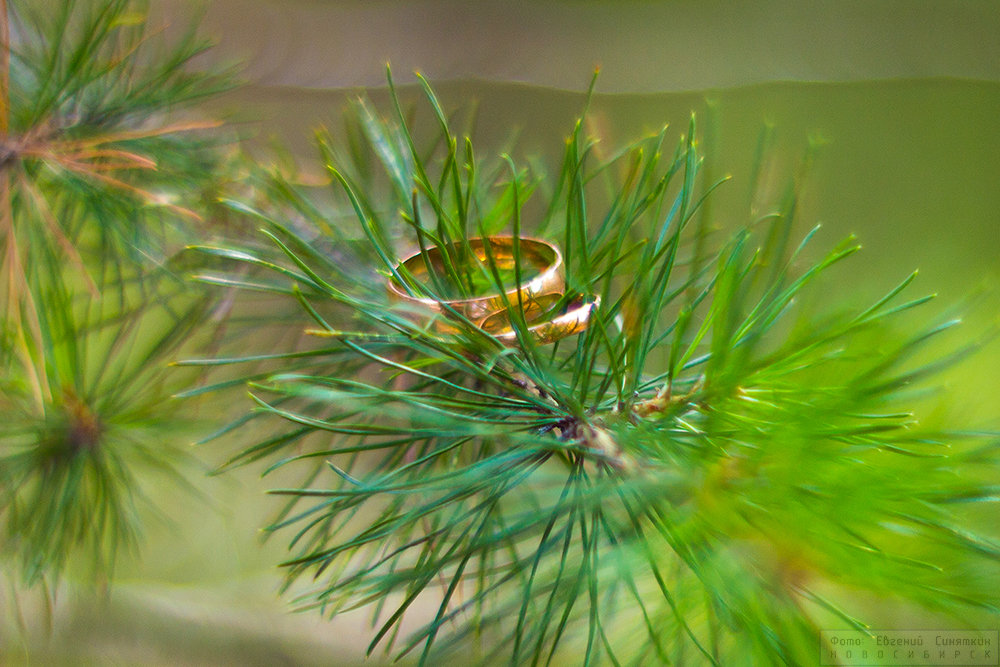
column 542, row 287
column 540, row 261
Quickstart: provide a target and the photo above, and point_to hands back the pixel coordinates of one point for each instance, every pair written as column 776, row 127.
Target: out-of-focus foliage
column 105, row 172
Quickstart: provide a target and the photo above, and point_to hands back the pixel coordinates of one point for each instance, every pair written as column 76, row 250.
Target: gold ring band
column 574, row 319
column 541, row 288
column 541, row 263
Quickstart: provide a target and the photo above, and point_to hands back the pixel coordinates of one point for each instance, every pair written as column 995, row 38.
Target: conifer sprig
column 104, row 169
column 98, row 157
column 73, row 469
column 699, row 476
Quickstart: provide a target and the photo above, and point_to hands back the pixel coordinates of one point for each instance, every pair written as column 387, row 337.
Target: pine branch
column 95, row 147
column 701, row 475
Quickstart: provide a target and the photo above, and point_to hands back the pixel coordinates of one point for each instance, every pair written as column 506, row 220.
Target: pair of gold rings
column 539, row 294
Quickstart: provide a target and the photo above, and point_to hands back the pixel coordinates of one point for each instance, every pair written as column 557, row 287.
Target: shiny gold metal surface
column 541, row 260
column 574, row 319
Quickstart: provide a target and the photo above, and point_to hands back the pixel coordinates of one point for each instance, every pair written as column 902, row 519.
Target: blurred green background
column 904, row 97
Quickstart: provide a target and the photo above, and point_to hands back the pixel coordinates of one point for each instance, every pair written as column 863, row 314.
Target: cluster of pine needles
column 98, row 138
column 707, row 474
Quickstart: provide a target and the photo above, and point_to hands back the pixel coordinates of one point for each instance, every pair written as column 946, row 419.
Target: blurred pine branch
column 106, row 171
